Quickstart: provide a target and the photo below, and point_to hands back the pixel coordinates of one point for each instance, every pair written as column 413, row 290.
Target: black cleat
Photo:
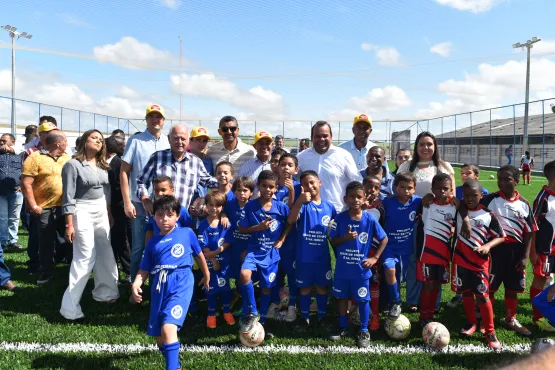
column 363, row 339
column 395, row 311
column 248, row 322
column 339, row 333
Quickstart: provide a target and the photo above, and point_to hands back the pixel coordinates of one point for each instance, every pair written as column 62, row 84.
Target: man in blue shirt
column 358, row 146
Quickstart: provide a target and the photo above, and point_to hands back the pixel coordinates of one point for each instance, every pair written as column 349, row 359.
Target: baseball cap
column 199, row 132
column 262, row 135
column 47, row 126
column 155, row 108
column 362, row 118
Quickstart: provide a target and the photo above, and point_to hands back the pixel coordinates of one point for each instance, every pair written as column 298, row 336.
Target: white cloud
column 74, row 20
column 386, row 55
column 443, row 49
column 265, row 103
column 131, row 53
column 544, row 47
column 474, row 6
column 172, row 4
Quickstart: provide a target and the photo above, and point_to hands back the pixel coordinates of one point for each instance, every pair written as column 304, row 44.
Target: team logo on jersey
column 412, row 215
column 221, row 242
column 478, row 223
column 516, row 212
column 482, row 288
column 272, row 277
column 273, row 225
column 362, row 292
column 363, row 237
column 177, row 250
column 328, row 275
column 448, row 217
column 177, row 311
column 326, row 220
column 221, row 282
column 523, row 283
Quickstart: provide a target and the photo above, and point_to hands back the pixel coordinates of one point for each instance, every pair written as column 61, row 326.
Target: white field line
column 268, row 349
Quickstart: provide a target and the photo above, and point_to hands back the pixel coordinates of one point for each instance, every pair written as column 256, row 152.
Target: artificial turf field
column 33, row 335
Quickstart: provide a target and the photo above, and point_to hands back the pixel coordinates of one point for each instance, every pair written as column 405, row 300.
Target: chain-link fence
column 480, row 137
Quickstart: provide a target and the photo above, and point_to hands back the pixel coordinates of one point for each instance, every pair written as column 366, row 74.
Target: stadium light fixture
column 528, row 45
column 12, row 31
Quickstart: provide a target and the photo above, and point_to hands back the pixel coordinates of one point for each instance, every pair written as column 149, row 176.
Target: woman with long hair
column 526, row 163
column 86, row 207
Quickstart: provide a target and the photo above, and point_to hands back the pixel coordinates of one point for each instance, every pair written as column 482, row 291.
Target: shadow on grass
column 491, row 360
column 73, row 362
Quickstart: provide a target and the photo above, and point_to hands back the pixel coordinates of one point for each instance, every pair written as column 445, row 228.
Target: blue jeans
column 4, row 270
column 510, row 157
column 137, row 239
column 10, row 208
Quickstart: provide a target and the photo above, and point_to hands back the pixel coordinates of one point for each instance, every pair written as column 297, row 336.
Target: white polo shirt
column 242, row 153
column 335, row 168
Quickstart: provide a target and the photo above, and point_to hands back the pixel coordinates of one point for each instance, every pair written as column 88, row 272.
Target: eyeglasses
column 229, row 128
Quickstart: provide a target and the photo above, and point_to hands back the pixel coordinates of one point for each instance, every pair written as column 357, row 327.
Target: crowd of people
column 180, row 213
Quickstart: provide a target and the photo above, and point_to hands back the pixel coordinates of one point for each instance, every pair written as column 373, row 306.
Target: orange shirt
column 47, row 174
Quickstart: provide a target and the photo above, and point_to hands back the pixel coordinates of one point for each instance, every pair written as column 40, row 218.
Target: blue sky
column 279, row 60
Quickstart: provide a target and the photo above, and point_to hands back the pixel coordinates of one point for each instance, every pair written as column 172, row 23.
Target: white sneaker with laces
column 273, row 312
column 291, row 314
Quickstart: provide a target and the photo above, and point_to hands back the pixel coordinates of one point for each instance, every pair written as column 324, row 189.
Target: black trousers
column 121, row 238
column 51, row 239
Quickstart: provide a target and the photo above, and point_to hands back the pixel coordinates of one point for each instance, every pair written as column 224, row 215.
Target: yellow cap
column 362, row 118
column 262, row 135
column 199, row 132
column 47, row 126
column 155, row 108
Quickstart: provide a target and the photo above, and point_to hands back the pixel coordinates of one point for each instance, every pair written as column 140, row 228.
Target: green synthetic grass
column 31, row 315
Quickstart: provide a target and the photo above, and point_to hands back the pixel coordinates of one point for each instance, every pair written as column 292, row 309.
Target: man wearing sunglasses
column 231, row 149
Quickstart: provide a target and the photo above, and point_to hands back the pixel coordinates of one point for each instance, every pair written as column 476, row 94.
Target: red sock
column 510, row 308
column 486, row 311
column 375, row 298
column 469, row 310
column 533, row 293
column 427, row 304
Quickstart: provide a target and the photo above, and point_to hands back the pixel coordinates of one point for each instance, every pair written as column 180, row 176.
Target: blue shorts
column 310, row 274
column 170, row 304
column 545, row 307
column 267, row 275
column 398, row 262
column 287, row 263
column 219, row 282
column 357, row 289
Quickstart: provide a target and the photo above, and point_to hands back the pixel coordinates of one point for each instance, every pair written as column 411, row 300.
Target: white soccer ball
column 399, row 328
column 253, row 337
column 542, row 344
column 491, row 177
column 284, row 298
column 436, row 335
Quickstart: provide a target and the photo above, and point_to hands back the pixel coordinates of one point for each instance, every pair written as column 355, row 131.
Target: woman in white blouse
column 425, row 164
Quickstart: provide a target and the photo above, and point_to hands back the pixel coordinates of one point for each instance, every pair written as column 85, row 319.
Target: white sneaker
column 291, row 314
column 273, row 312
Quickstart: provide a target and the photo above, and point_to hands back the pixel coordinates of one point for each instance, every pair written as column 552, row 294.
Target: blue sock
column 211, row 301
column 393, row 290
column 264, row 305
column 364, row 312
column 322, row 302
column 293, row 294
column 248, row 299
column 275, row 294
column 171, row 354
column 193, row 307
column 304, row 299
column 226, row 300
column 343, row 321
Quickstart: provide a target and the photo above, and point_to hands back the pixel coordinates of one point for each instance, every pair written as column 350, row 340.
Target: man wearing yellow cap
column 359, row 145
column 137, row 152
column 198, row 141
column 263, row 146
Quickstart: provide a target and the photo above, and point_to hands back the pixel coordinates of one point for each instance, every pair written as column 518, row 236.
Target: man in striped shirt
column 185, row 169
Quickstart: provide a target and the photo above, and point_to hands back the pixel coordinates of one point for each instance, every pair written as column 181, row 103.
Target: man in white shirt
column 334, row 165
column 359, row 145
column 231, row 149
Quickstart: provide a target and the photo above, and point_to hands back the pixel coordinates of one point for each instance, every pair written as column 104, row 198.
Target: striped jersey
column 485, row 227
column 544, row 214
column 434, row 233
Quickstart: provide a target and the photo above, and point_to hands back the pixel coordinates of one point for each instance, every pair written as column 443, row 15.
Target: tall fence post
column 457, row 149
column 442, row 141
column 514, row 135
column 490, row 139
column 471, row 143
column 543, row 133
column 61, row 118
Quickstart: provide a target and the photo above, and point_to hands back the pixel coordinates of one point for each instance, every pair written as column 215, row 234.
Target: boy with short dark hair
column 168, row 260
column 352, row 233
column 275, row 158
column 469, row 171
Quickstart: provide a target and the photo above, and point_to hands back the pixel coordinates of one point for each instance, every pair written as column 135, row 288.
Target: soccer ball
column 253, row 337
column 436, row 335
column 200, row 205
column 399, row 328
column 542, row 344
column 284, row 298
column 491, row 177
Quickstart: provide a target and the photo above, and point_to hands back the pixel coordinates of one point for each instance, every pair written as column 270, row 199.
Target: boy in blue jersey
column 468, row 171
column 312, row 216
column 400, row 220
column 265, row 219
column 211, row 237
column 224, row 175
column 274, row 160
column 168, row 259
column 352, row 233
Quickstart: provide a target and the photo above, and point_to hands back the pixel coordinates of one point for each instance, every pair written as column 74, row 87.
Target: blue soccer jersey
column 213, row 238
column 171, row 251
column 312, row 228
column 400, row 222
column 351, row 253
column 261, row 243
column 237, row 240
column 282, row 193
column 185, row 220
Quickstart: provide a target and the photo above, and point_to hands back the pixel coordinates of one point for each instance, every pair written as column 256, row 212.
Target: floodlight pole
column 13, row 34
column 528, row 45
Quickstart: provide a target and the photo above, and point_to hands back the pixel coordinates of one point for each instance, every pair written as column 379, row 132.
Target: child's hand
column 305, row 197
column 205, row 282
column 278, row 243
column 350, row 235
column 136, row 292
column 369, row 262
column 466, row 229
column 224, row 220
column 427, row 200
column 209, row 254
column 484, row 249
column 288, row 182
column 265, row 225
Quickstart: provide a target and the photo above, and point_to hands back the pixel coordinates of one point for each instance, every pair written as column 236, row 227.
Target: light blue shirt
column 137, row 152
column 359, row 156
